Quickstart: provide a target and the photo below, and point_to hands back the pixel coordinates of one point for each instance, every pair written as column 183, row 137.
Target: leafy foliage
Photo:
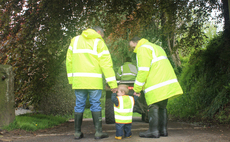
column 60, row 98
column 35, row 34
column 205, row 81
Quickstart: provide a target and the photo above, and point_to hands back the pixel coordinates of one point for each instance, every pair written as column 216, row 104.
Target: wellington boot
column 153, row 131
column 163, row 122
column 97, row 121
column 77, row 125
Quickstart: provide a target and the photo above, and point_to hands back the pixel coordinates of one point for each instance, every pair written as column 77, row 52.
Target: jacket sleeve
column 69, row 62
column 118, row 75
column 106, row 64
column 144, row 58
column 114, row 99
column 135, row 98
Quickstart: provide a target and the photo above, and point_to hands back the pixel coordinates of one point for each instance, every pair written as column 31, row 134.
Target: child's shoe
column 118, row 137
column 129, row 136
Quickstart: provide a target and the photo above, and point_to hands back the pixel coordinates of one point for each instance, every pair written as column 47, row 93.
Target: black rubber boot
column 77, row 125
column 153, row 131
column 97, row 121
column 163, row 122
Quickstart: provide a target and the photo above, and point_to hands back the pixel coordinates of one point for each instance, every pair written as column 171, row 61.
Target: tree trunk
column 226, row 12
column 174, row 54
column 226, row 48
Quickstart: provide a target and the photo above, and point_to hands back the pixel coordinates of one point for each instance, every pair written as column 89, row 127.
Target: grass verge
column 33, row 122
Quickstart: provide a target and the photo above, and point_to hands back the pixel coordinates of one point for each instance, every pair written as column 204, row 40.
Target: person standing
column 128, row 71
column 87, row 59
column 123, row 110
column 159, row 82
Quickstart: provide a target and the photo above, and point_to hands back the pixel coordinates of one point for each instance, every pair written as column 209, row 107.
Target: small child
column 123, row 111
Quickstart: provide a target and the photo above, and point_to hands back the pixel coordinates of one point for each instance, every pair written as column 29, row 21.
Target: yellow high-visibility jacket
column 124, row 111
column 87, row 59
column 155, row 73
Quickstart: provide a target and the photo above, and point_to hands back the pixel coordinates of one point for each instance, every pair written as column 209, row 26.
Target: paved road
column 178, row 132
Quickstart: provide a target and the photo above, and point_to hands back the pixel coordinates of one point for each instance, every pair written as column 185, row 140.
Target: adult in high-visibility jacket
column 87, row 59
column 123, row 110
column 158, row 80
column 128, row 71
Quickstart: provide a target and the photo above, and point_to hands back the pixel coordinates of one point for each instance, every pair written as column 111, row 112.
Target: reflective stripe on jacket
column 155, row 73
column 87, row 58
column 127, row 72
column 124, row 111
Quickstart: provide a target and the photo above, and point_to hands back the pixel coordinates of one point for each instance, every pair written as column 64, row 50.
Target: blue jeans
column 94, row 99
column 123, row 127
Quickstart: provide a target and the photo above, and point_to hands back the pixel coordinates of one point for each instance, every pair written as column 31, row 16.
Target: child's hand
column 137, row 94
column 114, row 90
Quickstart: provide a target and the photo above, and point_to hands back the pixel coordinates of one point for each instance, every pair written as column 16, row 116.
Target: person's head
column 133, row 42
column 128, row 59
column 122, row 90
column 99, row 30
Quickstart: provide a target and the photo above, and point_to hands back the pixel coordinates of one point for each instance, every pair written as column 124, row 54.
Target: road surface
column 178, row 132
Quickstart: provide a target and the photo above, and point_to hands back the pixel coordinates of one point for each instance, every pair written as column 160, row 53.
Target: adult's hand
column 137, row 94
column 114, row 90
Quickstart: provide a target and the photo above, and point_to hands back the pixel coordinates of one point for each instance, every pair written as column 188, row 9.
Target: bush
column 60, row 99
column 205, row 82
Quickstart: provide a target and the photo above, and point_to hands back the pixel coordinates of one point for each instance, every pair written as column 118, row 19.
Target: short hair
column 128, row 59
column 135, row 39
column 97, row 28
column 124, row 88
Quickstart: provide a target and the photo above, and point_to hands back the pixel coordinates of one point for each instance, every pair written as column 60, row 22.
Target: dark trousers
column 123, row 128
column 159, row 105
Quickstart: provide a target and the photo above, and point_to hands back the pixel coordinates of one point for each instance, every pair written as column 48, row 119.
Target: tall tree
column 35, row 34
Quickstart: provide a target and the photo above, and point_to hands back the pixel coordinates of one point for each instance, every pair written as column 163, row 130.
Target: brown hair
column 135, row 39
column 124, row 88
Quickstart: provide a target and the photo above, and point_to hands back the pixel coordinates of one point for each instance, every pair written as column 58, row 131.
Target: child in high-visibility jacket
column 123, row 111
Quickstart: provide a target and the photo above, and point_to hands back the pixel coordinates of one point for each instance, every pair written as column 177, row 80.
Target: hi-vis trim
column 151, row 48
column 75, row 43
column 122, row 105
column 103, row 52
column 160, row 85
column 123, row 117
column 95, row 44
column 110, row 79
column 87, row 75
column 118, row 74
column 94, row 51
column 71, row 48
column 139, row 83
column 155, row 58
column 70, row 75
column 122, row 110
column 129, row 74
column 143, row 68
column 85, row 51
column 158, row 59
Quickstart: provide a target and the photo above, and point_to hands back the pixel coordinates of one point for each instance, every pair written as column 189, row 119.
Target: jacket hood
column 140, row 42
column 90, row 33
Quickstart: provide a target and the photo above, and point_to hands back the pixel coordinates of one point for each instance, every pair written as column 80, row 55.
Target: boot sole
column 80, row 137
column 149, row 136
column 101, row 137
